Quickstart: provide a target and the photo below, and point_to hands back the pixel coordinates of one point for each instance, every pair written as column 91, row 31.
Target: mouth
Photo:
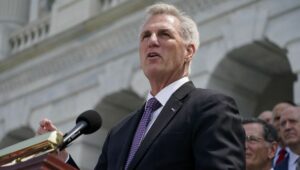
column 248, row 156
column 153, row 55
column 248, row 153
column 288, row 135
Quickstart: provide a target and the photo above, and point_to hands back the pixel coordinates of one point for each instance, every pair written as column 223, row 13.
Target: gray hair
column 189, row 31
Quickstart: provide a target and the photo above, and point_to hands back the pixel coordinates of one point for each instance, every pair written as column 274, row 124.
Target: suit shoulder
column 121, row 123
column 210, row 94
column 206, row 98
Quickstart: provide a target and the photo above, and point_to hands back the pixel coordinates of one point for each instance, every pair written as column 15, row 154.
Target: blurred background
column 60, row 58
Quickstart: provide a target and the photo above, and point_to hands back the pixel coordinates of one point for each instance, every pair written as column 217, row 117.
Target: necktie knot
column 282, row 151
column 152, row 104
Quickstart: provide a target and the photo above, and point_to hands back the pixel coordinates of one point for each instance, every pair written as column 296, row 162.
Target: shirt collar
column 292, row 156
column 163, row 95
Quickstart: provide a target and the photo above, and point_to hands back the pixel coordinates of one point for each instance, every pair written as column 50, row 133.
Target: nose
column 246, row 145
column 153, row 41
column 286, row 126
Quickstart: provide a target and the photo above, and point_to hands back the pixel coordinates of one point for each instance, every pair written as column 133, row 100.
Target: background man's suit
column 197, row 129
column 283, row 165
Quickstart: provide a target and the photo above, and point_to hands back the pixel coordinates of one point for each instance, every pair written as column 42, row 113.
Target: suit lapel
column 129, row 131
column 169, row 111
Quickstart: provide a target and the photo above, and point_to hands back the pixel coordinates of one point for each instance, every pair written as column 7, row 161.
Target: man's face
column 259, row 152
column 277, row 112
column 162, row 49
column 290, row 126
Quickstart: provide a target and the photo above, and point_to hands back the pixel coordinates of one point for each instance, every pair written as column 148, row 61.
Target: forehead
column 161, row 21
column 280, row 107
column 266, row 114
column 253, row 129
column 290, row 113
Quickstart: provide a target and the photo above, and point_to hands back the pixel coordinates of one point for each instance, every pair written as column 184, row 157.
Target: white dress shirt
column 292, row 159
column 163, row 96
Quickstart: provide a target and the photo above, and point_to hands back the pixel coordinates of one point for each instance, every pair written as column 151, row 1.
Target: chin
column 152, row 72
column 293, row 142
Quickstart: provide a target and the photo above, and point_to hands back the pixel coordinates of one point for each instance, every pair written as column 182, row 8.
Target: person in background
column 261, row 144
column 282, row 151
column 266, row 116
column 180, row 127
column 290, row 131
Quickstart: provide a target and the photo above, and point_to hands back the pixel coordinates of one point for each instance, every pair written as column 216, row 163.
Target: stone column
column 34, row 10
column 294, row 58
column 13, row 15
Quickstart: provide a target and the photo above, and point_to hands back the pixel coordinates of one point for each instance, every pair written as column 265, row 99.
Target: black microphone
column 86, row 123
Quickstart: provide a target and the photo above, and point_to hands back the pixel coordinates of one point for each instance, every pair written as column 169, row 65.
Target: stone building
column 60, row 58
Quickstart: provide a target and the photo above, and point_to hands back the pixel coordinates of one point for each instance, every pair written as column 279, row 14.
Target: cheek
column 141, row 49
column 142, row 53
column 261, row 152
column 250, row 148
column 255, row 149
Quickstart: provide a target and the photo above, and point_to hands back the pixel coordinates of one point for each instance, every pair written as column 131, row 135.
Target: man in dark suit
column 180, row 126
column 193, row 128
column 290, row 131
column 282, row 152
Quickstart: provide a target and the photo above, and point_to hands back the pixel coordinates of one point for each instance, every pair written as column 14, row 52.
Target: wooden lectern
column 34, row 154
column 44, row 162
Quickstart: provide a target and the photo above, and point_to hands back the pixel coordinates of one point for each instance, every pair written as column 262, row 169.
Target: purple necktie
column 151, row 105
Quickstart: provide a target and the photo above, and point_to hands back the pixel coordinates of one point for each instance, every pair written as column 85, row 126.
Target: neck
column 158, row 84
column 295, row 148
column 281, row 144
column 158, row 81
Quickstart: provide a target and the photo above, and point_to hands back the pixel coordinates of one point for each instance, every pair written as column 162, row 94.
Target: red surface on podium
column 44, row 162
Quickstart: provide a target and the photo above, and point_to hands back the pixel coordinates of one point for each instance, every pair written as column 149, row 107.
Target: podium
column 34, row 154
column 43, row 162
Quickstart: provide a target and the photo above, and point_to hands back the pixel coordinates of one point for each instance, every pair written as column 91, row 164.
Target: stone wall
column 249, row 50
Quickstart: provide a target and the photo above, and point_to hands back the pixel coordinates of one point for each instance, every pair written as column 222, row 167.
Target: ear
column 190, row 49
column 272, row 150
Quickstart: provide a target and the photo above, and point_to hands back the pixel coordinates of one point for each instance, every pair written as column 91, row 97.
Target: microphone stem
column 72, row 134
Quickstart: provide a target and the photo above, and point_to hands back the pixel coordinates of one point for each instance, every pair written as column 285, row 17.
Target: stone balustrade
column 39, row 29
column 31, row 34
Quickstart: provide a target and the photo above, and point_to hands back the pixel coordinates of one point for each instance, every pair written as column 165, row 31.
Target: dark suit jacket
column 283, row 165
column 197, row 129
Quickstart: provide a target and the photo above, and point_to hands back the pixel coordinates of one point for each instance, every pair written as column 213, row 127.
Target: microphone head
column 93, row 120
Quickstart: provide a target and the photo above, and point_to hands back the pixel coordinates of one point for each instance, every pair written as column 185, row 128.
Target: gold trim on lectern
column 30, row 147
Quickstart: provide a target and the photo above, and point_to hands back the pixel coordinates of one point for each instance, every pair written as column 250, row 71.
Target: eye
column 145, row 35
column 253, row 139
column 165, row 34
column 282, row 124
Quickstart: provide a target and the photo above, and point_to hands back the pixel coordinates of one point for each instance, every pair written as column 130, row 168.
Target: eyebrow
column 159, row 30
column 144, row 32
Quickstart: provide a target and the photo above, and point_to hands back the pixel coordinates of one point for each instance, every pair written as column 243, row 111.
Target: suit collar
column 172, row 106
